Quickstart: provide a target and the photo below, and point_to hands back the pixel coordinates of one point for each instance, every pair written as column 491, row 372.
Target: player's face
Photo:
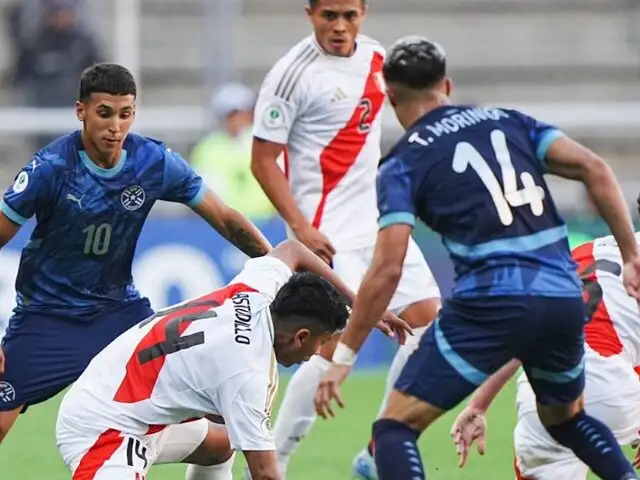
column 336, row 24
column 301, row 347
column 107, row 120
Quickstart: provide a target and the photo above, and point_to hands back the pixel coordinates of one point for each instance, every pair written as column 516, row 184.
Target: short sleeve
column 395, row 195
column 542, row 136
column 30, row 191
column 245, row 402
column 181, row 183
column 266, row 274
column 278, row 103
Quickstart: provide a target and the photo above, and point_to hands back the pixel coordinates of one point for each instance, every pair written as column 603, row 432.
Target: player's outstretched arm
column 568, row 159
column 264, row 166
column 8, row 229
column 232, row 225
column 299, row 258
column 262, row 465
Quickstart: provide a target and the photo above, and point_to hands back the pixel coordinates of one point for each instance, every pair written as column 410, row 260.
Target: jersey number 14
column 505, row 196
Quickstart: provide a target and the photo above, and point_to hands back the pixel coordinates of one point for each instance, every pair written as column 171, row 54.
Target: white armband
column 343, row 355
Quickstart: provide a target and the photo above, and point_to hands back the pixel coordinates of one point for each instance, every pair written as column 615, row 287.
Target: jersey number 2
column 507, row 196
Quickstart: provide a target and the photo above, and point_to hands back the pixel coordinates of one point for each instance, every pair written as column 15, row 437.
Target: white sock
column 399, row 361
column 297, row 408
column 223, row 471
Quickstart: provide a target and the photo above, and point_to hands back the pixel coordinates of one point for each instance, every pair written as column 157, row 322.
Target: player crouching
column 145, row 398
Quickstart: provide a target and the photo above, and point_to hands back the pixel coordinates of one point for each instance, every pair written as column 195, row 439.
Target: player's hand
column 1, row 361
column 394, row 327
column 329, row 390
column 316, row 242
column 469, row 427
column 631, row 277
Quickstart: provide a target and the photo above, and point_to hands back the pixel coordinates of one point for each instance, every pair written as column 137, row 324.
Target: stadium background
column 570, row 62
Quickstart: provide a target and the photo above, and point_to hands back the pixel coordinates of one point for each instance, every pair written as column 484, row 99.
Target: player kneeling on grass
column 145, row 398
column 612, row 390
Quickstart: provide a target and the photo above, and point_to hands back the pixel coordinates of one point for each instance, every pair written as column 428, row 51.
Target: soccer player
column 90, row 192
column 321, row 105
column 475, row 176
column 214, row 356
column 612, row 390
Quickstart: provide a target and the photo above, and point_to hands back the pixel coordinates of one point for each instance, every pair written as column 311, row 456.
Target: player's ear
column 391, row 95
column 309, row 11
column 301, row 337
column 80, row 111
column 448, row 86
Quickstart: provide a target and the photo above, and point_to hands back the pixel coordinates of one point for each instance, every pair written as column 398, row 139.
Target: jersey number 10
column 505, row 196
column 98, row 239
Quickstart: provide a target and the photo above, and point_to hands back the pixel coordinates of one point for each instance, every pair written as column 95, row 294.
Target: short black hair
column 109, row 78
column 314, row 3
column 310, row 301
column 416, row 63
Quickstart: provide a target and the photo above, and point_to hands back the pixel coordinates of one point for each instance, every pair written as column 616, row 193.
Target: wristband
column 343, row 355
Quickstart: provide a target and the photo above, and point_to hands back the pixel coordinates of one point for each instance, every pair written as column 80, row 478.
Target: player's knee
column 422, row 313
column 410, row 411
column 215, row 449
column 551, row 415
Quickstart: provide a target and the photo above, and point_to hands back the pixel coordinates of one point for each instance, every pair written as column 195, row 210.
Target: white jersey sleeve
column 245, row 401
column 266, row 274
column 282, row 95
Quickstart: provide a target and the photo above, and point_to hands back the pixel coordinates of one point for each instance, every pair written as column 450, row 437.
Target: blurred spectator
column 51, row 54
column 223, row 158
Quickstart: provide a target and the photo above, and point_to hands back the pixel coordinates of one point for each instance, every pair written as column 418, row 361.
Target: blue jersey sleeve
column 181, row 183
column 29, row 193
column 542, row 135
column 395, row 194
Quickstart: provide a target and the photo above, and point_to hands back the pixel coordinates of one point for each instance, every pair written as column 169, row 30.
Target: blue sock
column 595, row 445
column 396, row 451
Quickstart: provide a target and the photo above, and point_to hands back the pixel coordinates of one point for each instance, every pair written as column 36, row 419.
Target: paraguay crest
column 133, row 197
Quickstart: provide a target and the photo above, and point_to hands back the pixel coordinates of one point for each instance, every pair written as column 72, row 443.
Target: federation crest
column 133, row 197
column 7, row 392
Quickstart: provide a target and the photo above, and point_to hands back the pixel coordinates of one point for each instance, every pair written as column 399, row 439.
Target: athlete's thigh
column 553, row 357
column 177, row 442
column 107, row 455
column 459, row 351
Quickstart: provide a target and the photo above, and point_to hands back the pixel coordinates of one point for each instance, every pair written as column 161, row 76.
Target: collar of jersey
column 103, row 172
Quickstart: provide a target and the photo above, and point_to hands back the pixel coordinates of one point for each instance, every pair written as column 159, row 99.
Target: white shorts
column 113, row 455
column 416, row 284
column 612, row 395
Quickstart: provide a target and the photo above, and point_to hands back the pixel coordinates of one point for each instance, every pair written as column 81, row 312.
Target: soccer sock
column 297, row 413
column 222, row 471
column 398, row 363
column 396, row 451
column 595, row 445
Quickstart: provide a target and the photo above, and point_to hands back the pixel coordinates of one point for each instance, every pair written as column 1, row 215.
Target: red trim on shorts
column 518, row 472
column 600, row 333
column 342, row 151
column 140, row 379
column 158, row 428
column 101, row 451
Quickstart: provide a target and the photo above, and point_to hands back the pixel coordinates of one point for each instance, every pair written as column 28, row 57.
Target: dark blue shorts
column 44, row 355
column 472, row 338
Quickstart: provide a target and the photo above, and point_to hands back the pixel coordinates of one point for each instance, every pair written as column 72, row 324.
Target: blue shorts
column 44, row 354
column 472, row 338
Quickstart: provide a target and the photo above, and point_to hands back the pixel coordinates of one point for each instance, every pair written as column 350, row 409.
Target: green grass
column 29, row 453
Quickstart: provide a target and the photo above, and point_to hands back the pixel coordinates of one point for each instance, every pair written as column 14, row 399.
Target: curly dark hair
column 109, row 78
column 309, row 301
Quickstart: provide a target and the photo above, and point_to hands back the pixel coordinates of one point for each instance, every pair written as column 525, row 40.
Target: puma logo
column 73, row 198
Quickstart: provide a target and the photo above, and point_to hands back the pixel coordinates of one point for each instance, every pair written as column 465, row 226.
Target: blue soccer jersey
column 78, row 259
column 475, row 176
